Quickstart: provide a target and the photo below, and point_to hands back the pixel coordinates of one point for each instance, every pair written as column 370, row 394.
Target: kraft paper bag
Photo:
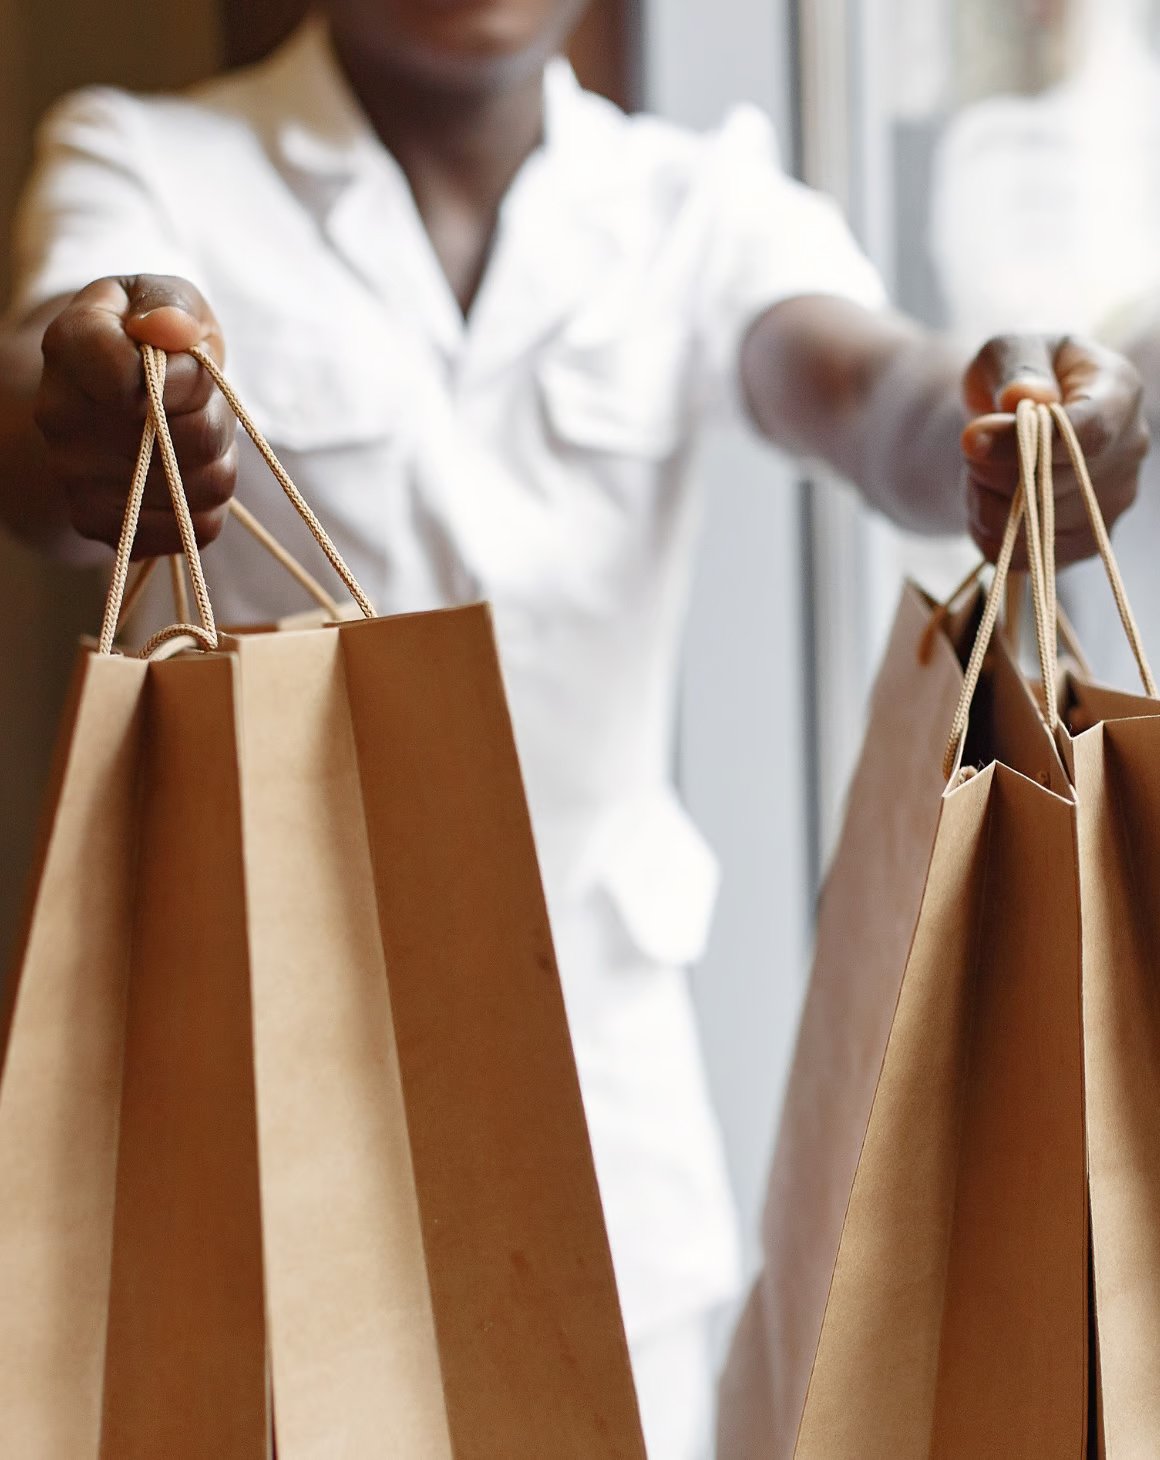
column 924, row 1288
column 1110, row 742
column 1116, row 770
column 293, row 1149
column 63, row 1034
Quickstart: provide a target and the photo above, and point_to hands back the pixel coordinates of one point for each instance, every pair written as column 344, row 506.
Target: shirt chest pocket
column 627, row 397
column 308, row 394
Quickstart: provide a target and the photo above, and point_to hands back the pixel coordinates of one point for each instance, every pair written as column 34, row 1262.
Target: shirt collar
column 334, row 161
column 318, row 126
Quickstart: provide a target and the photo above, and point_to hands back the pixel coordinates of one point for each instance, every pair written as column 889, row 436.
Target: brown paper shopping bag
column 1117, row 777
column 925, row 1243
column 291, row 1136
column 1110, row 742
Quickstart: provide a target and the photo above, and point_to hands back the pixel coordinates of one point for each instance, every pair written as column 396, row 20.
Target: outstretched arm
column 927, row 436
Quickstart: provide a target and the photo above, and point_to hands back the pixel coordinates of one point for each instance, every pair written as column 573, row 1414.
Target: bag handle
column 154, row 364
column 156, row 433
column 1057, row 625
column 1057, row 416
column 135, row 591
column 995, row 595
column 1035, row 498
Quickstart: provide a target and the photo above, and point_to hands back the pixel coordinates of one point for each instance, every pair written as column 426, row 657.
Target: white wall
column 743, row 764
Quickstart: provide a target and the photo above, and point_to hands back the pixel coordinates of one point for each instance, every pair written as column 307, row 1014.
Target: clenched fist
column 1103, row 396
column 90, row 409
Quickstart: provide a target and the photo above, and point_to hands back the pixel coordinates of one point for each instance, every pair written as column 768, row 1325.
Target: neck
column 449, row 138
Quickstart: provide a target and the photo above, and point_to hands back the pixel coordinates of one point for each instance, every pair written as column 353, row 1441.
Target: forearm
column 32, row 506
column 874, row 397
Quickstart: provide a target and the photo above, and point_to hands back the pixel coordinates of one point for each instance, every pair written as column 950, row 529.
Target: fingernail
column 160, row 309
column 980, row 443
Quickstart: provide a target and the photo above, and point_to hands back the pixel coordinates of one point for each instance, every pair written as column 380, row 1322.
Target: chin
column 482, row 56
column 457, row 42
column 480, row 36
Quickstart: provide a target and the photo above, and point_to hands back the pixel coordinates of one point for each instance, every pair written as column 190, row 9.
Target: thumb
column 169, row 314
column 1011, row 368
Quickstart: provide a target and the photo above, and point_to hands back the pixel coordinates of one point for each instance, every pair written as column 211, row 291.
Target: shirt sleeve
column 769, row 238
column 89, row 210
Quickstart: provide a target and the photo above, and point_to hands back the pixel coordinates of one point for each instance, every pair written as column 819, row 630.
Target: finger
column 990, row 446
column 100, row 517
column 87, row 356
column 1070, row 547
column 987, row 511
column 65, row 416
column 160, row 537
column 206, row 488
column 1074, row 547
column 1103, row 397
column 87, row 350
column 170, row 314
column 1117, row 492
column 205, row 446
column 77, row 430
column 1109, row 421
column 200, row 437
column 1008, row 369
column 989, row 442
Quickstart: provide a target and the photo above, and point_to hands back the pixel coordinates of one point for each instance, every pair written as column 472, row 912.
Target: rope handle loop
column 1040, row 492
column 156, row 435
column 974, row 669
column 1034, row 499
column 135, row 591
column 282, row 477
column 1055, row 414
column 156, row 429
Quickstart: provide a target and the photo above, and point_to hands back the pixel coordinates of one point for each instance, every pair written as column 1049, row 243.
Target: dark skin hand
column 72, row 408
column 929, row 439
column 455, row 93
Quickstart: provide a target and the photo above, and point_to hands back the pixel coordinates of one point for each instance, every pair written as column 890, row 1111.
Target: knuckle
column 1095, row 433
column 1079, row 344
column 55, row 334
column 203, row 436
column 78, row 347
column 988, row 545
column 207, row 525
column 1122, row 495
column 70, row 474
column 69, row 331
column 988, row 510
column 991, row 351
column 156, row 539
column 46, row 416
column 210, row 487
column 93, row 519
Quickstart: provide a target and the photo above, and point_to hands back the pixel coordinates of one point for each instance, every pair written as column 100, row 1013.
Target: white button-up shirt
column 535, row 454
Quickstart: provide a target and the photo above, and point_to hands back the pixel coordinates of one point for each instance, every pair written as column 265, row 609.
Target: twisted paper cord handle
column 156, row 434
column 1035, row 499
